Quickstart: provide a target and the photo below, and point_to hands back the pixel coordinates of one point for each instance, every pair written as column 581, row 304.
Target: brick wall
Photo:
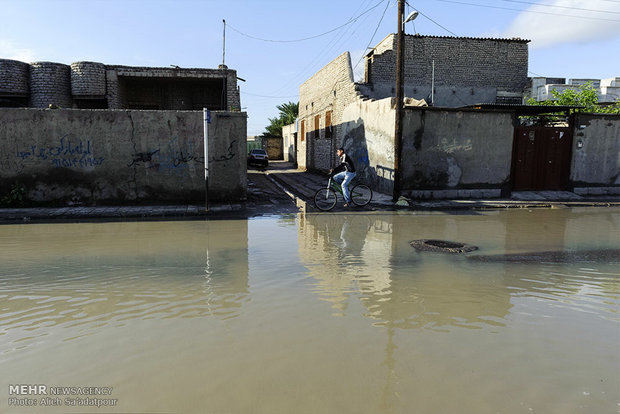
column 88, row 79
column 14, row 78
column 329, row 90
column 459, row 63
column 49, row 83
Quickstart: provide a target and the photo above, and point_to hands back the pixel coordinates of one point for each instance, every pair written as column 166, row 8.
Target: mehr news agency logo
column 39, row 395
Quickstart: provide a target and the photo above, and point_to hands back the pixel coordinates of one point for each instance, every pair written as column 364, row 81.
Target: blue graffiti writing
column 83, row 162
column 69, row 153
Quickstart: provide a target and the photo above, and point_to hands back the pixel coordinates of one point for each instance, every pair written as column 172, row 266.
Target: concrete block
column 491, row 193
column 597, row 191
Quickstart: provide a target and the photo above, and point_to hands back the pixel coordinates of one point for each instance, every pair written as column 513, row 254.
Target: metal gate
column 541, row 158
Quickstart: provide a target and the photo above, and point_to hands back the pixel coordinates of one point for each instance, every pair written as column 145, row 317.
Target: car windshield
column 259, row 152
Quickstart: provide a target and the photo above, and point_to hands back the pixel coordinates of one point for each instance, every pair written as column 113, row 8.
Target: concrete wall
column 116, row 156
column 368, row 137
column 596, row 154
column 289, row 134
column 273, row 146
column 454, row 151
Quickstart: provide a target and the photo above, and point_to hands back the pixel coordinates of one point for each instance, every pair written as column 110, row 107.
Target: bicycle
column 326, row 198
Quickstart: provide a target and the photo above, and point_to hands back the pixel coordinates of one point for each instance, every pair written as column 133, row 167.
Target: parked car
column 258, row 157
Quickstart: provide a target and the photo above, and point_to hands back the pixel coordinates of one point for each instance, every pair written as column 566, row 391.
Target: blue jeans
column 344, row 178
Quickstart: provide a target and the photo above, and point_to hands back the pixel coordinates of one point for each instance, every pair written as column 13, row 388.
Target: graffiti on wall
column 68, row 152
column 452, row 145
column 177, row 156
column 230, row 153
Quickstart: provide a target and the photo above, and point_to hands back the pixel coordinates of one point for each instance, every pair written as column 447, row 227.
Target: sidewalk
column 283, row 190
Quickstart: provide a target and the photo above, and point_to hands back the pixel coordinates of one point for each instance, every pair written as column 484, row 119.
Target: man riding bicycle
column 343, row 174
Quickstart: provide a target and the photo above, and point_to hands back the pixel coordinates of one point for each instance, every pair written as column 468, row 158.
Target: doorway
column 541, row 158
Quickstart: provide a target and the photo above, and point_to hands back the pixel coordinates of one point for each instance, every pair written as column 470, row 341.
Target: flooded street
column 315, row 313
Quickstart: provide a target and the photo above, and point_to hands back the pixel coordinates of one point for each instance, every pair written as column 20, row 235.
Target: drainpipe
column 398, row 129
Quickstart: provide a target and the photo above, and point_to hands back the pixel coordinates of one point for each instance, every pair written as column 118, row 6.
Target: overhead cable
column 529, row 11
column 310, row 37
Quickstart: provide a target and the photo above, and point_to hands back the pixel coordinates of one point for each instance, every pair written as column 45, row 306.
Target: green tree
column 585, row 96
column 287, row 114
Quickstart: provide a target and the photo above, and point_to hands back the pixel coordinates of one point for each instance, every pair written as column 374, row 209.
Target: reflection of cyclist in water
column 343, row 174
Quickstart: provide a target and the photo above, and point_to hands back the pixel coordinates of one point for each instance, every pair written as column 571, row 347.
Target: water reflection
column 368, row 258
column 113, row 273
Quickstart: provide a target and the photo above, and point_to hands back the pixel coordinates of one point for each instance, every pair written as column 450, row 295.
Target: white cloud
column 546, row 29
column 10, row 51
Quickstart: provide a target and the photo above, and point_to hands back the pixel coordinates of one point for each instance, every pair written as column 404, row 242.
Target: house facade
column 89, row 133
column 450, row 149
column 94, row 85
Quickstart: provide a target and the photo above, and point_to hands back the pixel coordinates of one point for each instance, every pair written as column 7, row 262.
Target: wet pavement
column 282, row 189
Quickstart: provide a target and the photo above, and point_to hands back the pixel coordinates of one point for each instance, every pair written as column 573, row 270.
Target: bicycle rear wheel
column 361, row 195
column 325, row 199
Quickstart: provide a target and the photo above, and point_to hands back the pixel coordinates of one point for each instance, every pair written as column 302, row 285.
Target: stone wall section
column 50, row 84
column 460, row 63
column 88, row 79
column 329, row 90
column 14, row 78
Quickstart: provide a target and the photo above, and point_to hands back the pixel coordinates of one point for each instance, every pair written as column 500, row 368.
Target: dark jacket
column 346, row 164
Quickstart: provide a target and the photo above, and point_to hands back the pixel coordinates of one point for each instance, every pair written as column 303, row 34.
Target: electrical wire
column 321, row 104
column 529, row 11
column 310, row 37
column 561, row 7
column 311, row 68
column 454, row 34
column 269, row 96
column 373, row 35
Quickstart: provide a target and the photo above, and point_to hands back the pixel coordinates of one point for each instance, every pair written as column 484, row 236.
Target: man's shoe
column 346, row 204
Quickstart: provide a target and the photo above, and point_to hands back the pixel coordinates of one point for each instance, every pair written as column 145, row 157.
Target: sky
column 276, row 45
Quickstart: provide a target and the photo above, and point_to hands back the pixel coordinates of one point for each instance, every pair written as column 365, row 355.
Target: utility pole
column 400, row 92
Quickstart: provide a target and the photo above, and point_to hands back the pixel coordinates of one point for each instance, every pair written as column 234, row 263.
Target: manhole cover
column 442, row 246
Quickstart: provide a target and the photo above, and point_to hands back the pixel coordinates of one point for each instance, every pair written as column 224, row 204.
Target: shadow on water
column 584, row 256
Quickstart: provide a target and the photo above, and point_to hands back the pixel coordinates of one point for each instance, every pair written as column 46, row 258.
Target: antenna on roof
column 224, row 45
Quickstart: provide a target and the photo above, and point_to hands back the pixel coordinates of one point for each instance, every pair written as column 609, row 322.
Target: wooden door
column 541, row 158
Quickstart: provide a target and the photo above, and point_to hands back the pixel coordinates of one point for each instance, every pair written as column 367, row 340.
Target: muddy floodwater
column 314, row 313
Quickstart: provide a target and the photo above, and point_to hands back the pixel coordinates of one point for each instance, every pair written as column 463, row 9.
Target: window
column 317, row 122
column 328, row 124
column 303, row 129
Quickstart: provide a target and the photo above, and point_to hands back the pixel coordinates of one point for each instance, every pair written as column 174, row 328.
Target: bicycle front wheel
column 361, row 195
column 325, row 199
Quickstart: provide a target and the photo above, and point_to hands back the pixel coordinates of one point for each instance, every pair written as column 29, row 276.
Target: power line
column 268, row 96
column 325, row 52
column 529, row 11
column 310, row 37
column 454, row 34
column 561, row 7
column 373, row 35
